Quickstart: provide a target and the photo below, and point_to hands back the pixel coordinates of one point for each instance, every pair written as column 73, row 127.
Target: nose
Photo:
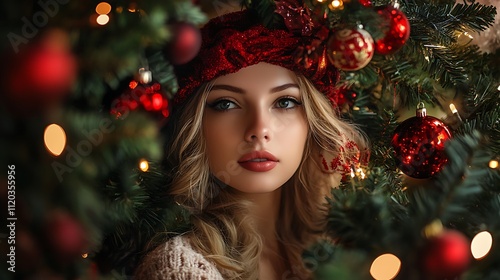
column 258, row 126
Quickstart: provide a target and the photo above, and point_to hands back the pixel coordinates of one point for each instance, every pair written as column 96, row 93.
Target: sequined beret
column 236, row 40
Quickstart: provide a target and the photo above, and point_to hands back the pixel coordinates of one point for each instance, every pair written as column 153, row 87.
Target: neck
column 265, row 213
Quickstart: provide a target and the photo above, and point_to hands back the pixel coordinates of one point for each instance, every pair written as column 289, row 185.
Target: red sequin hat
column 237, row 40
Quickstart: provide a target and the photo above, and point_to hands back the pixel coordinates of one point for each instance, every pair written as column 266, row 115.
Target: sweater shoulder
column 176, row 260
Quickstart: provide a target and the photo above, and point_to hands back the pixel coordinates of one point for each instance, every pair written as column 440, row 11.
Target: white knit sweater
column 176, row 260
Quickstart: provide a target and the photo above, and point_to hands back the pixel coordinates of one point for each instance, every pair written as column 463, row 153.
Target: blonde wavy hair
column 222, row 230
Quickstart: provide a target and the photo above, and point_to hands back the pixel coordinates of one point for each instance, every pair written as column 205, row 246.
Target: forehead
column 263, row 74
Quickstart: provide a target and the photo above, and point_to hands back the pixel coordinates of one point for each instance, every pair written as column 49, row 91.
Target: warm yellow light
column 132, row 7
column 498, row 88
column 464, row 38
column 102, row 19
column 55, row 139
column 143, row 165
column 385, row 267
column 433, row 229
column 453, row 108
column 103, row 8
column 336, row 3
column 360, row 171
column 85, row 255
column 493, row 164
column 481, row 244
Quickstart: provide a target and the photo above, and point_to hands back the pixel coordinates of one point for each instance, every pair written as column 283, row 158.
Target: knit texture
column 176, row 260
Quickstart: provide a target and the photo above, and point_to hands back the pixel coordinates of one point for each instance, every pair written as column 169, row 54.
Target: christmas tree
column 87, row 86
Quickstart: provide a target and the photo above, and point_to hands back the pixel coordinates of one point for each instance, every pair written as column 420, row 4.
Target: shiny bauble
column 350, row 49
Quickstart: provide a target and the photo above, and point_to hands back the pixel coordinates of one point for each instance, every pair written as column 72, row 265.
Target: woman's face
column 255, row 128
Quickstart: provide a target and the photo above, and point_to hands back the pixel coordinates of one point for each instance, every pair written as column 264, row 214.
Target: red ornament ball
column 41, row 73
column 146, row 97
column 65, row 235
column 418, row 144
column 446, row 255
column 185, row 43
column 398, row 30
column 350, row 49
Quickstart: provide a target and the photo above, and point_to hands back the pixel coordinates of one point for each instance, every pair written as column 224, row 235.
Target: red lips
column 258, row 161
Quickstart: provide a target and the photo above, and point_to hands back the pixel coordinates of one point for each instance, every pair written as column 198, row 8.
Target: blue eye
column 287, row 103
column 222, row 105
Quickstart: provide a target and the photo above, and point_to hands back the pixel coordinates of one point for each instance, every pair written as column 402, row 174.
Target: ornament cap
column 421, row 111
column 145, row 76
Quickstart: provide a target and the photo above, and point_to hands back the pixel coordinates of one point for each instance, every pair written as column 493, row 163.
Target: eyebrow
column 242, row 91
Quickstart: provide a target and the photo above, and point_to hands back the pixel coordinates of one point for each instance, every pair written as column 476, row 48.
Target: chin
column 257, row 186
column 259, row 190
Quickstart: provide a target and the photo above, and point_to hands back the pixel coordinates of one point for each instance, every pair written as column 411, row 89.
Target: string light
column 385, row 267
column 455, row 111
column 357, row 172
column 360, row 171
column 493, row 164
column 102, row 19
column 103, row 8
column 85, row 255
column 336, row 5
column 144, row 165
column 453, row 108
column 55, row 139
column 481, row 245
column 132, row 7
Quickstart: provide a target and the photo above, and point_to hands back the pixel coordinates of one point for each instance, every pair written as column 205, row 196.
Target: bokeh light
column 385, row 267
column 103, row 8
column 481, row 244
column 144, row 165
column 102, row 19
column 55, row 139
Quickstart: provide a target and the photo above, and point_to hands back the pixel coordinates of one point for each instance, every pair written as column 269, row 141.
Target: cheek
column 219, row 140
column 293, row 129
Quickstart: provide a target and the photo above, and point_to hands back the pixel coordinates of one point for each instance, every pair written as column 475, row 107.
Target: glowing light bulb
column 103, row 8
column 453, row 108
column 85, row 255
column 493, row 164
column 143, row 165
column 360, row 171
column 102, row 19
column 336, row 3
column 481, row 245
column 455, row 111
column 385, row 267
column 55, row 139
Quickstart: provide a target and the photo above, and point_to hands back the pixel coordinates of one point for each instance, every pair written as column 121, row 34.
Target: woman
column 254, row 150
